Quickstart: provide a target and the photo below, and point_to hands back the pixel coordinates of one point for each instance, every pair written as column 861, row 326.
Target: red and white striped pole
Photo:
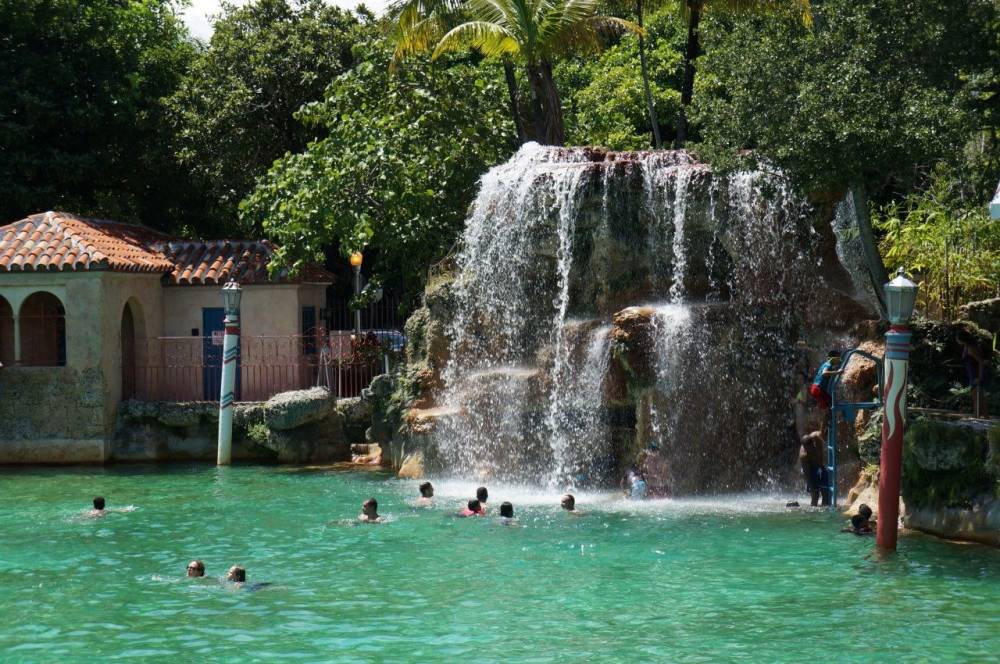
column 900, row 295
column 230, row 352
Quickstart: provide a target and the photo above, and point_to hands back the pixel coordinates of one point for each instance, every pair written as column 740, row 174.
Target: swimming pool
column 740, row 578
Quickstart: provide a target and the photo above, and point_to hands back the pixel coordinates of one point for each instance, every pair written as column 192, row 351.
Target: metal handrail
column 849, row 409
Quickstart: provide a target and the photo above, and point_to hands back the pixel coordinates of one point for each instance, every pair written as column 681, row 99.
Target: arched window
column 6, row 333
column 43, row 331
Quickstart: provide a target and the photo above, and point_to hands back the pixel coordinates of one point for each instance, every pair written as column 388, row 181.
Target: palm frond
column 490, row 39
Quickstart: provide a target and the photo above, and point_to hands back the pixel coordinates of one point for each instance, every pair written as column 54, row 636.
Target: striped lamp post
column 231, row 293
column 900, row 296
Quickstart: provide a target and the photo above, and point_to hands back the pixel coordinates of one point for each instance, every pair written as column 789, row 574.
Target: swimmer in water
column 861, row 522
column 236, row 574
column 196, row 569
column 98, row 507
column 482, row 495
column 473, row 508
column 426, row 498
column 507, row 513
column 568, row 503
column 369, row 512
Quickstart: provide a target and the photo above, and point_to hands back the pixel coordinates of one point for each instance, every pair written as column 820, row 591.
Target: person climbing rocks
column 812, row 456
column 820, row 390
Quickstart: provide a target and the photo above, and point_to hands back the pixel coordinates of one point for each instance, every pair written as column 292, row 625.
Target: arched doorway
column 128, row 353
column 42, row 320
column 6, row 333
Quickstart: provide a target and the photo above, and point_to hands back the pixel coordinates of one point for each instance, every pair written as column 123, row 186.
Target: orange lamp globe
column 356, row 259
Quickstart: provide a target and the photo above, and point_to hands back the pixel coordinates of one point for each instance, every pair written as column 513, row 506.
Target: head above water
column 474, row 506
column 236, row 574
column 506, row 510
column 864, row 511
column 482, row 494
column 427, row 490
column 370, row 507
column 98, row 502
column 196, row 568
column 568, row 502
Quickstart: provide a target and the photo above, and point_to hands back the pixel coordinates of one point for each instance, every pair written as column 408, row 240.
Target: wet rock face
column 603, row 302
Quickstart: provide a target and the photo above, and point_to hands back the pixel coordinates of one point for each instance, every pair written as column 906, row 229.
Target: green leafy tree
column 877, row 93
column 396, row 170
column 602, row 93
column 235, row 110
column 536, row 33
column 82, row 126
column 691, row 12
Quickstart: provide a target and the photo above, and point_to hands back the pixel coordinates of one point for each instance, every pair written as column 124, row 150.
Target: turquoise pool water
column 740, row 579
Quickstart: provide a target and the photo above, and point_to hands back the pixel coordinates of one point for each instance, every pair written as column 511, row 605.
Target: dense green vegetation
column 337, row 130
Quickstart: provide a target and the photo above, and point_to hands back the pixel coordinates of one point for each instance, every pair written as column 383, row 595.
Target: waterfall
column 559, row 245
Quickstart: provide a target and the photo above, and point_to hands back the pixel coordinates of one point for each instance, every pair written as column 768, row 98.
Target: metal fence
column 190, row 368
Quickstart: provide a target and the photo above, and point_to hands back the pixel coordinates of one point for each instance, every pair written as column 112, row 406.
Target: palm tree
column 691, row 12
column 535, row 32
column 417, row 26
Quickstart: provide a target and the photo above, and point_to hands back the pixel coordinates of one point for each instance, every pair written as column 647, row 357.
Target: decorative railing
column 190, row 368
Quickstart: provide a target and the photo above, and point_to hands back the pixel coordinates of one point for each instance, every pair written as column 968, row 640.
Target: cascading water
column 559, row 244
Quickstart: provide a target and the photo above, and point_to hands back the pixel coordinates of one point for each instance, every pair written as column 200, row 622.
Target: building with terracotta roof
column 90, row 308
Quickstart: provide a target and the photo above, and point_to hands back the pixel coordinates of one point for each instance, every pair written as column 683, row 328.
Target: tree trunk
column 549, row 128
column 687, row 88
column 515, row 106
column 657, row 142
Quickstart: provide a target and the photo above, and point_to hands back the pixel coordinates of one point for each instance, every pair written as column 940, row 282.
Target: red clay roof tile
column 62, row 241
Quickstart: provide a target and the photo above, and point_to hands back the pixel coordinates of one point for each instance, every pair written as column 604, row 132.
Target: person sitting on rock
column 426, row 494
column 812, row 456
column 482, row 495
column 196, row 569
column 369, row 512
column 473, row 508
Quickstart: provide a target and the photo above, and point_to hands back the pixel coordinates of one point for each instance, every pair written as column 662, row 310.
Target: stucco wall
column 264, row 310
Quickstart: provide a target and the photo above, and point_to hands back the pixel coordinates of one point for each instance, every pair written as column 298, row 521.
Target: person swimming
column 426, row 494
column 482, row 495
column 98, row 507
column 568, row 503
column 196, row 569
column 861, row 522
column 369, row 512
column 473, row 508
column 507, row 513
column 236, row 574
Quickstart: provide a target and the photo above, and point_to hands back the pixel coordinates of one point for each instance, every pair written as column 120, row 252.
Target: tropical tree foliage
column 535, row 33
column 948, row 241
column 877, row 93
column 234, row 112
column 396, row 170
column 603, row 94
column 691, row 12
column 82, row 126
